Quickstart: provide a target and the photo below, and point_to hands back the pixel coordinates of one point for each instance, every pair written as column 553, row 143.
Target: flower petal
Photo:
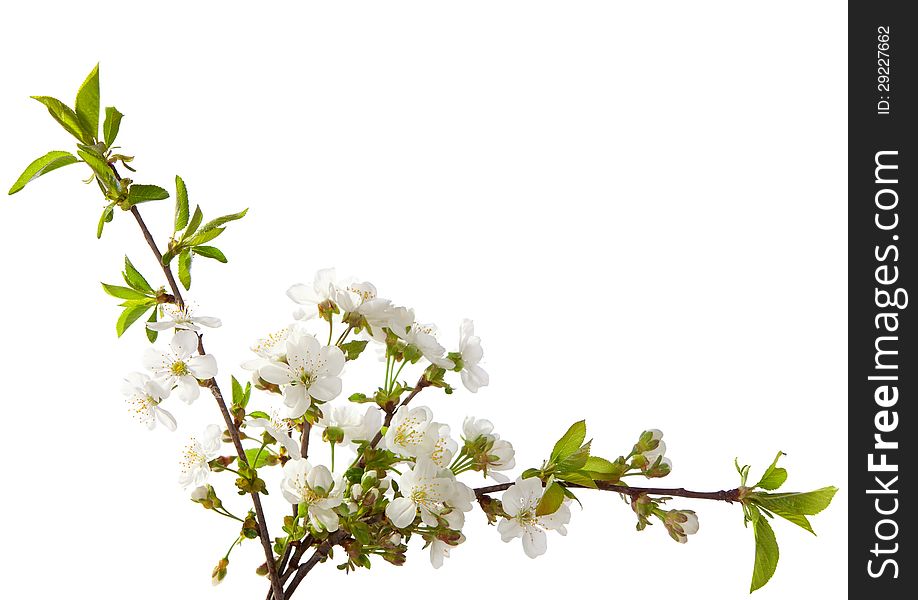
column 401, row 512
column 203, row 367
column 184, row 343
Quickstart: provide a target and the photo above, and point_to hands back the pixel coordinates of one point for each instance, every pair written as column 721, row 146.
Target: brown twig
column 722, row 495
column 214, row 387
column 318, row 556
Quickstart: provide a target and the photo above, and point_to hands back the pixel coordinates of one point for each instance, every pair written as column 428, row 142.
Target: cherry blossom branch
column 722, row 495
column 214, row 387
column 318, row 556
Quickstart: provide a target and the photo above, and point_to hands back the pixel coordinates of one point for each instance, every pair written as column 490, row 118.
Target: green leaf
column 184, row 268
column 577, row 477
column 260, row 414
column 570, row 442
column 766, row 553
column 122, row 292
column 181, row 204
column 251, row 453
column 353, row 349
column 67, row 119
column 127, row 318
column 100, row 168
column 774, row 476
column 551, row 500
column 801, row 503
column 107, row 216
column 112, row 125
column 134, row 279
column 210, row 252
column 168, row 255
column 45, row 164
column 223, row 220
column 195, row 222
column 600, row 469
column 202, row 237
column 87, row 103
column 241, row 395
column 577, row 460
column 139, row 193
column 151, row 333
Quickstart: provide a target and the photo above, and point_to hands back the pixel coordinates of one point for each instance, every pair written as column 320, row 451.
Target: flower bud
column 219, row 572
column 333, row 434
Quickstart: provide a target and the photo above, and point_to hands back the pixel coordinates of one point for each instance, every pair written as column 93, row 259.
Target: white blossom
column 680, row 524
column 520, row 502
column 199, row 452
column 444, row 446
column 322, row 291
column 431, row 492
column 311, row 371
column 314, row 487
column 144, row 396
column 498, row 454
column 408, row 433
column 180, row 368
column 354, row 425
column 473, row 376
column 183, row 318
column 278, row 428
column 439, row 550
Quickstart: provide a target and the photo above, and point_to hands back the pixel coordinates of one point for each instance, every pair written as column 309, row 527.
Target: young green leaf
column 202, row 237
column 112, row 125
column 570, row 442
column 134, row 279
column 195, row 222
column 766, row 553
column 184, row 268
column 551, row 500
column 127, row 318
column 241, row 395
column 152, row 334
column 44, row 164
column 139, row 193
column 600, row 469
column 67, row 119
column 210, row 252
column 575, row 461
column 578, row 478
column 774, row 476
column 107, row 216
column 353, row 349
column 263, row 458
column 87, row 103
column 122, row 292
column 223, row 220
column 101, row 169
column 181, row 204
column 802, row 503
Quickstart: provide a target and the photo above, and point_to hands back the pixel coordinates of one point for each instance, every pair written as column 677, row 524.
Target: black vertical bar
column 882, row 370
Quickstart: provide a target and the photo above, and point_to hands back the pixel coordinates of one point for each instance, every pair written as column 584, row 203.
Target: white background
column 641, row 206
